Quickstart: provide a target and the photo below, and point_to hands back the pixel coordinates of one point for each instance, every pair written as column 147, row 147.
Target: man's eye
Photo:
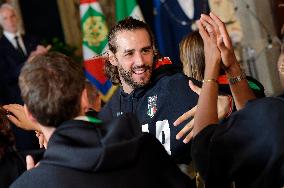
column 128, row 54
column 145, row 51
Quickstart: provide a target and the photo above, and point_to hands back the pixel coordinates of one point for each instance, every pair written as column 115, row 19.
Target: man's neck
column 127, row 88
column 10, row 36
column 47, row 132
column 11, row 33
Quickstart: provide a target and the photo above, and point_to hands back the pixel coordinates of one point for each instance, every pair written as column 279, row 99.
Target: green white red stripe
column 124, row 8
column 94, row 28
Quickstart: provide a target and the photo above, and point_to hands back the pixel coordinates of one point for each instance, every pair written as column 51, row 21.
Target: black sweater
column 84, row 154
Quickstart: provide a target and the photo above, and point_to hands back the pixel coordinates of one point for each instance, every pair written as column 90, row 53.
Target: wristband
column 234, row 80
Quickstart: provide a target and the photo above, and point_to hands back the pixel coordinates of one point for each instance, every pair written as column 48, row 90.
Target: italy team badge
column 152, row 106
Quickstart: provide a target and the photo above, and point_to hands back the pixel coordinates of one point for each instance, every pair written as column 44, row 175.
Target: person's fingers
column 203, row 33
column 221, row 44
column 48, row 47
column 18, row 116
column 186, row 130
column 37, row 133
column 211, row 32
column 194, row 87
column 207, row 26
column 185, row 116
column 222, row 29
column 14, row 120
column 10, row 107
column 40, row 141
column 30, row 162
column 188, row 138
column 211, row 24
column 40, row 49
column 16, row 109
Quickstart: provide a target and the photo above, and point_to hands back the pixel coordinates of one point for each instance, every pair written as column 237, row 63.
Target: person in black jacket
column 82, row 151
column 15, row 50
column 247, row 149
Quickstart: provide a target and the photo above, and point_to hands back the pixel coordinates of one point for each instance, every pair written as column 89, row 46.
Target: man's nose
column 139, row 60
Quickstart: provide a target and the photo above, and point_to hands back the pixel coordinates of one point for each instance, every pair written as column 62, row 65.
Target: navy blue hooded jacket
column 157, row 106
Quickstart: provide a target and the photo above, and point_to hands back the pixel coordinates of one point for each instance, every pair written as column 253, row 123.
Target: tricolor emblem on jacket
column 152, row 105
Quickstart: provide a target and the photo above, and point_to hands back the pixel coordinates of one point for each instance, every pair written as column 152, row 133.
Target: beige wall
column 256, row 38
column 70, row 19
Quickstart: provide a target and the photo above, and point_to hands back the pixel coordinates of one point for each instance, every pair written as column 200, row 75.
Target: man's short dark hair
column 127, row 24
column 51, row 87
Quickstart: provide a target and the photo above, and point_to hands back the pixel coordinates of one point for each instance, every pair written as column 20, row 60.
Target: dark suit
column 11, row 62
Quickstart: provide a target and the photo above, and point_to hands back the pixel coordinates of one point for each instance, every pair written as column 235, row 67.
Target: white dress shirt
column 12, row 40
column 188, row 7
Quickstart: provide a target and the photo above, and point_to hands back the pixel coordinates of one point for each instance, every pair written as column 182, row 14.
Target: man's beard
column 127, row 76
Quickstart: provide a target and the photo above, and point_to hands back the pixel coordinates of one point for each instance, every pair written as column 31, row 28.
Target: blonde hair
column 192, row 56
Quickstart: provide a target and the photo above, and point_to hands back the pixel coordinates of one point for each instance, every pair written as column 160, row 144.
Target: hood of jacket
column 87, row 146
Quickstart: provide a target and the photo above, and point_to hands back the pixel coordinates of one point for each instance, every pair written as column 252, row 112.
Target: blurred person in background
column 15, row 49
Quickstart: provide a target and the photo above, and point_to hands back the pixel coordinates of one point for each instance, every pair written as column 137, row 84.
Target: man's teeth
column 139, row 71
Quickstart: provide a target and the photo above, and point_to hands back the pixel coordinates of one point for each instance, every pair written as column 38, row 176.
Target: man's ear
column 84, row 102
column 112, row 58
column 29, row 115
column 98, row 103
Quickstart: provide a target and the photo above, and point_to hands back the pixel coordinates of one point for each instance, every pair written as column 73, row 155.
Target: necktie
column 19, row 49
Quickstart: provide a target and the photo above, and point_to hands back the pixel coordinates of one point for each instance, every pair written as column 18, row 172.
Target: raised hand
column 241, row 91
column 224, row 42
column 40, row 50
column 19, row 118
column 209, row 33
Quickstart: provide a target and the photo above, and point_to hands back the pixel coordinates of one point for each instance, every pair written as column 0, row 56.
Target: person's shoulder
column 27, row 179
column 265, row 102
column 106, row 113
column 258, row 115
column 3, row 41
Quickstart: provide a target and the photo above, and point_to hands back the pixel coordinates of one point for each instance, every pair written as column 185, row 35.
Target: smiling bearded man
column 152, row 88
